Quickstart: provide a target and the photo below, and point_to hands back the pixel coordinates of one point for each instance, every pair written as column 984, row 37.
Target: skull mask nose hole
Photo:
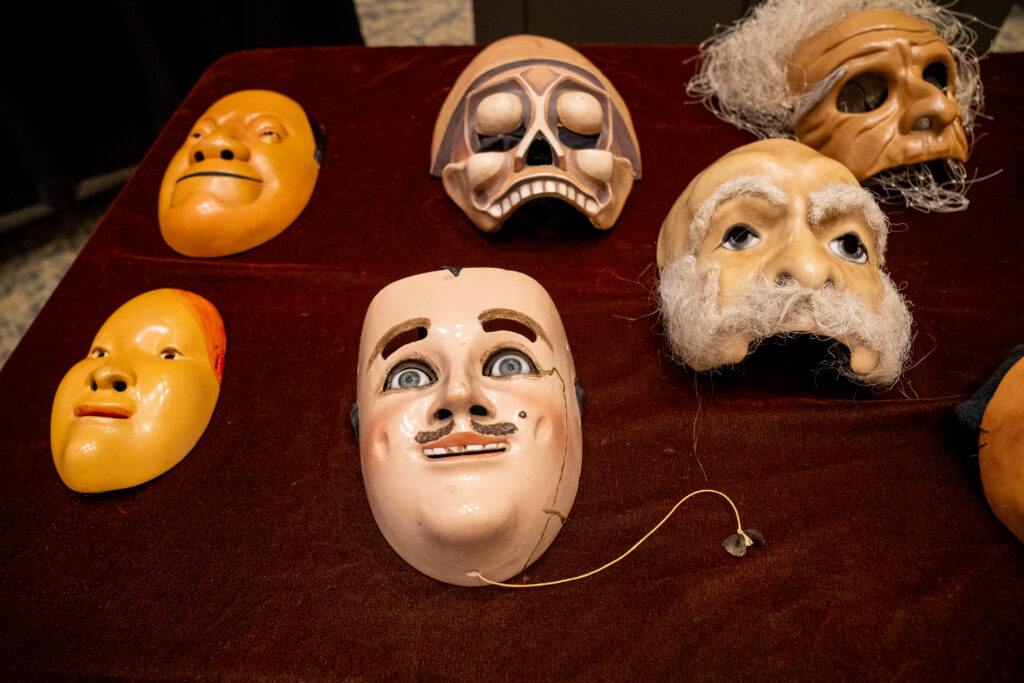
column 539, row 153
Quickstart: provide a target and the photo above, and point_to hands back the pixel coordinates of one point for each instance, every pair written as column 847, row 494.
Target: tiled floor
column 34, row 258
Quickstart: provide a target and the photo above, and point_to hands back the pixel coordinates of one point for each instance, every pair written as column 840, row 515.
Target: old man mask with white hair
column 890, row 88
column 777, row 239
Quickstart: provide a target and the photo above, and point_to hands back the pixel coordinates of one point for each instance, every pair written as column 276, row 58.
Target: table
column 257, row 556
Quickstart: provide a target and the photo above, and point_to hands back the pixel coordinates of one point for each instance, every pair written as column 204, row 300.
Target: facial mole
column 522, row 414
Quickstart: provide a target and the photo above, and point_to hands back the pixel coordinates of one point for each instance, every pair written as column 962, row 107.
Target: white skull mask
column 530, row 117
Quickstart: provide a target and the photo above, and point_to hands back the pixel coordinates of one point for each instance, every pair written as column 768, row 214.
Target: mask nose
column 931, row 109
column 805, row 261
column 462, row 399
column 220, row 144
column 539, row 153
column 113, row 376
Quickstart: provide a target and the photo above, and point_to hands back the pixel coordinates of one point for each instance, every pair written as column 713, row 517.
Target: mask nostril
column 198, row 156
column 120, row 386
column 922, row 123
column 539, row 153
column 227, row 154
column 92, row 385
column 783, row 279
column 444, row 414
column 478, row 410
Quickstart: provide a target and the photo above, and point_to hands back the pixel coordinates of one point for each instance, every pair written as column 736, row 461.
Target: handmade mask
column 139, row 402
column 890, row 88
column 892, row 100
column 531, row 117
column 468, row 421
column 996, row 412
column 774, row 238
column 244, row 174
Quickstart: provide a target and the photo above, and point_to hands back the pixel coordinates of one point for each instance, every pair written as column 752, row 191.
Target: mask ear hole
column 863, row 93
column 937, row 75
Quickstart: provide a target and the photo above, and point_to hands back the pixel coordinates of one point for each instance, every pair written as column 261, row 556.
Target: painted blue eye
column 849, row 248
column 739, row 237
column 410, row 375
column 508, row 363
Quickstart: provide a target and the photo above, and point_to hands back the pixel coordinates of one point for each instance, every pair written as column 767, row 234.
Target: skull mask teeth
column 536, row 128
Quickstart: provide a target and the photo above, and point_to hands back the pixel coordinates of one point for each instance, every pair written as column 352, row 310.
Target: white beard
column 703, row 333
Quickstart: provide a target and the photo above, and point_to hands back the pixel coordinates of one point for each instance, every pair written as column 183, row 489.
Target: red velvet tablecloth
column 257, row 556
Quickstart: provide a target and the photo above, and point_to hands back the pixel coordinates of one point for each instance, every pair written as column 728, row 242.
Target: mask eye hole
column 849, row 247
column 509, row 363
column 740, row 237
column 98, row 352
column 170, row 353
column 410, row 374
column 937, row 75
column 863, row 93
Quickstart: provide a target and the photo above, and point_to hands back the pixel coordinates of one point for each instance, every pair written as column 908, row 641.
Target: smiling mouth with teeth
column 481, row 450
column 542, row 188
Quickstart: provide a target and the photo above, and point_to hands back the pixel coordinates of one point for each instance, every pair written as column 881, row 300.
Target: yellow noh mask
column 469, row 424
column 139, row 402
column 244, row 174
column 775, row 238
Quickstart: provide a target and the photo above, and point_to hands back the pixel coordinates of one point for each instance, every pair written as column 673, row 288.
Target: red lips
column 116, row 412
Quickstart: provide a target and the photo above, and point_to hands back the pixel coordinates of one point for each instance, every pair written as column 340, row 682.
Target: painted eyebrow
column 397, row 331
column 515, row 317
column 754, row 185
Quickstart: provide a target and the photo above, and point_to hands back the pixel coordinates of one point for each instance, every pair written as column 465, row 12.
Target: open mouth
column 528, row 189
column 477, row 449
column 115, row 412
column 224, row 174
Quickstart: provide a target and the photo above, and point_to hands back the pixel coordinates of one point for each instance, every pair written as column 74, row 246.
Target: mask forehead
column 441, row 300
column 855, row 36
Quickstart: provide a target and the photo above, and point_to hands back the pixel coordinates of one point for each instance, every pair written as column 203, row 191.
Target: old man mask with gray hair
column 890, row 88
column 777, row 239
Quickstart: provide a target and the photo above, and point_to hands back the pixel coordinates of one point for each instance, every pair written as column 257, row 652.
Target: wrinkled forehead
column 442, row 302
column 245, row 104
column 862, row 33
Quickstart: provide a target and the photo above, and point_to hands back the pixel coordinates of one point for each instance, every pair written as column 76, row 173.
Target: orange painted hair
column 212, row 325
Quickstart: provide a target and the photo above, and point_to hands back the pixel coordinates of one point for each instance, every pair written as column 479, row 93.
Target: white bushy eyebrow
column 842, row 198
column 754, row 185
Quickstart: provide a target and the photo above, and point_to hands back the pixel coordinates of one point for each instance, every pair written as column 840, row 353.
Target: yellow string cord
column 636, row 545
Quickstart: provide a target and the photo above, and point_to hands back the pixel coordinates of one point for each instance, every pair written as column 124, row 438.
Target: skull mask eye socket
column 580, row 118
column 863, row 93
column 499, row 125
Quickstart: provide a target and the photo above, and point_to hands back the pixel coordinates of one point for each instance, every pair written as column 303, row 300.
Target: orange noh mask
column 139, row 402
column 245, row 173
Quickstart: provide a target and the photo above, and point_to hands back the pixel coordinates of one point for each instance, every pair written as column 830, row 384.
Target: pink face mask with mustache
column 469, row 423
